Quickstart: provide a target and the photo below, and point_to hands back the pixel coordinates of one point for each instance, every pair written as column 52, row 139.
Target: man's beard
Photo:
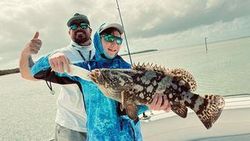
column 81, row 37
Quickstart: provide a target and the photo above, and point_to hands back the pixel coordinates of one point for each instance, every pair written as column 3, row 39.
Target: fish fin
column 211, row 110
column 180, row 109
column 129, row 106
column 149, row 67
column 122, row 100
column 121, row 107
column 186, row 76
column 131, row 110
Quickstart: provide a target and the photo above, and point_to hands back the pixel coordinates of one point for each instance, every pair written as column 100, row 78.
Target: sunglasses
column 81, row 25
column 112, row 38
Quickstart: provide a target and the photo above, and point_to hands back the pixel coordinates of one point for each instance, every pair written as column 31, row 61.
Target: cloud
column 147, row 23
column 185, row 15
column 239, row 27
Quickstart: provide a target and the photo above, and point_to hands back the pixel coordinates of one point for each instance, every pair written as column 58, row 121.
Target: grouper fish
column 137, row 86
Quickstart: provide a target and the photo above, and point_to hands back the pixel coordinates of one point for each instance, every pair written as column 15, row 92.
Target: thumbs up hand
column 33, row 46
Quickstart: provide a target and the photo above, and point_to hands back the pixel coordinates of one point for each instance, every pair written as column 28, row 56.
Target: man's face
column 80, row 32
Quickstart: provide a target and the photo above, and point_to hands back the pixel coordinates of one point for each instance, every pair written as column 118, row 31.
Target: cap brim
column 113, row 25
column 77, row 19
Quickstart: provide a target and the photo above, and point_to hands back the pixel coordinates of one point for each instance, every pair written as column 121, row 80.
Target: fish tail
column 209, row 109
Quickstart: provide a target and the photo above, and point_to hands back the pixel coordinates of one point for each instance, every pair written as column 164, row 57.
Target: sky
column 149, row 24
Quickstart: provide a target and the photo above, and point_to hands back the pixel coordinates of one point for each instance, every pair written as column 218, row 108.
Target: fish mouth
column 95, row 75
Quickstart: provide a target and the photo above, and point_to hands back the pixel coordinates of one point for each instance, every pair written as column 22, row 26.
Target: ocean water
column 28, row 109
column 224, row 70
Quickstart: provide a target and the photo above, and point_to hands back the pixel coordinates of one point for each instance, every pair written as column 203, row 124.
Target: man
column 70, row 116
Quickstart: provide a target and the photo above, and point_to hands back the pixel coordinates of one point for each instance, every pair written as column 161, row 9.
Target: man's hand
column 33, row 46
column 26, row 61
column 160, row 102
column 59, row 62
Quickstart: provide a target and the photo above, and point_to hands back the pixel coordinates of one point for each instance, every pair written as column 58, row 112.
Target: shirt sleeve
column 42, row 70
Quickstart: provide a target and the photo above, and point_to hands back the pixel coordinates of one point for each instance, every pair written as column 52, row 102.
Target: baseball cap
column 78, row 17
column 111, row 25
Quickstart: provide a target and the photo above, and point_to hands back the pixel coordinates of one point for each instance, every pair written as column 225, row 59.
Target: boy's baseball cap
column 111, row 25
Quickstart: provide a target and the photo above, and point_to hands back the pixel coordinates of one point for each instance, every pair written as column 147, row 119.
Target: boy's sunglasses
column 81, row 25
column 112, row 38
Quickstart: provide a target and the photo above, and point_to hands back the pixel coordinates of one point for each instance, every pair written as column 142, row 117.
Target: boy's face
column 110, row 44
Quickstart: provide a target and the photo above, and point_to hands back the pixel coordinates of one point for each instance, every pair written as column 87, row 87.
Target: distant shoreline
column 16, row 70
column 208, row 42
column 9, row 71
column 138, row 52
column 230, row 39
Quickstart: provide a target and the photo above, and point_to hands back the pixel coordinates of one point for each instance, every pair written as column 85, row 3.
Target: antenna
column 124, row 32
